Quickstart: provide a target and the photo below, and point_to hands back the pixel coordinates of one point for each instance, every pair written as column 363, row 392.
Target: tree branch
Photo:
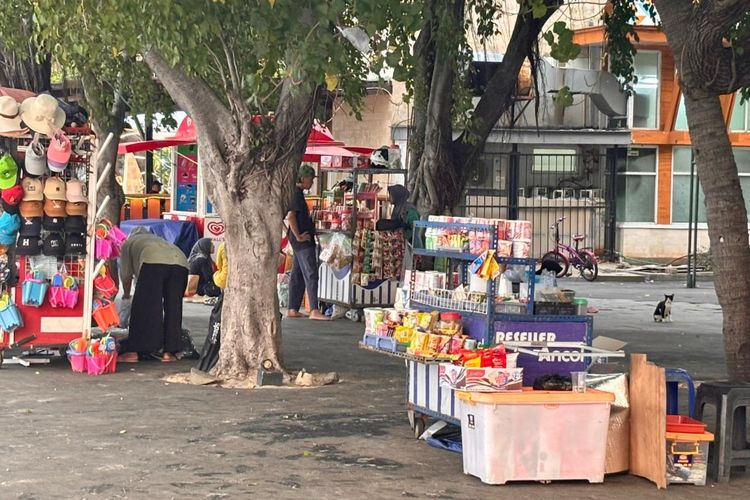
column 195, row 97
column 497, row 97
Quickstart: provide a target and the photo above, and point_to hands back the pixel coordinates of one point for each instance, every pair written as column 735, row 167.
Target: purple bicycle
column 582, row 259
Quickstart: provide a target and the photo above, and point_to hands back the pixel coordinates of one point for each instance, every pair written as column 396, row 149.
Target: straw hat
column 10, row 119
column 43, row 114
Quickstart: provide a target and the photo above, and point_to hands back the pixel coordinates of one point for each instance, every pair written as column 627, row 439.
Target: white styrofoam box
column 534, row 435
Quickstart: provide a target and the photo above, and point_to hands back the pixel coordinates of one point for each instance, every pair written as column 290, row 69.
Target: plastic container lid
column 689, row 437
column 580, row 302
column 450, row 316
column 530, row 396
column 684, row 425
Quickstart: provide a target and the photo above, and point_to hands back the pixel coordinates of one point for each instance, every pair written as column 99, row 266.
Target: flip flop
column 296, row 315
column 121, row 359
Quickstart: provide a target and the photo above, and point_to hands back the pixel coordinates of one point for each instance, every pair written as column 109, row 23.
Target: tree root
column 302, row 379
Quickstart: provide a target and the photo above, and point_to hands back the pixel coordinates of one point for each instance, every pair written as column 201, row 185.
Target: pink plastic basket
column 77, row 361
column 101, row 363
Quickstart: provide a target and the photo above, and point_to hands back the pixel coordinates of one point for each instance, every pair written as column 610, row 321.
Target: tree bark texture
column 441, row 165
column 250, row 170
column 695, row 34
column 105, row 121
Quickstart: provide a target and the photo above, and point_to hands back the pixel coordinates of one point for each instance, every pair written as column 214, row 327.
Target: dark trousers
column 156, row 313
column 304, row 277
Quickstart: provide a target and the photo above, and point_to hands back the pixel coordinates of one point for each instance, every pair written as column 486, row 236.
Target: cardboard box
column 461, row 378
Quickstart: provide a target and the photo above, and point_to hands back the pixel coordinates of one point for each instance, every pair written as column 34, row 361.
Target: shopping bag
column 123, row 310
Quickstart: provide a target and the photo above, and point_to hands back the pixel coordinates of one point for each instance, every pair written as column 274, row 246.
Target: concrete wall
column 659, row 242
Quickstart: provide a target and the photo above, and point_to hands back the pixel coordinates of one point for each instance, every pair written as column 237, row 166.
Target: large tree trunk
column 708, row 68
column 250, row 174
column 439, row 179
column 727, row 226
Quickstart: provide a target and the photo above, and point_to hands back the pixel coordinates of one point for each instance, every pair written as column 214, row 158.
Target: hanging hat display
column 10, row 116
column 43, row 114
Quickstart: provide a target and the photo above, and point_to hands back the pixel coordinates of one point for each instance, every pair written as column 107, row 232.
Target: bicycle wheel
column 589, row 269
column 560, row 259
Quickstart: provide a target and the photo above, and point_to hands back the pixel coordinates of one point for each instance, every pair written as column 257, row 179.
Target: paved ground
column 130, row 435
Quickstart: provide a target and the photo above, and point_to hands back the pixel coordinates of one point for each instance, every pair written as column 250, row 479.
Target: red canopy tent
column 18, row 94
column 320, row 142
column 185, row 135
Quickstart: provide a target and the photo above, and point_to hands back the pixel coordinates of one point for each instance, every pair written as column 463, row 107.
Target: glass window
column 681, row 159
column 555, row 160
column 739, row 115
column 636, row 186
column 681, row 122
column 646, row 90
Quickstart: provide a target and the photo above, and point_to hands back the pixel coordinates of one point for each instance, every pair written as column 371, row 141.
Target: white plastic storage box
column 535, row 435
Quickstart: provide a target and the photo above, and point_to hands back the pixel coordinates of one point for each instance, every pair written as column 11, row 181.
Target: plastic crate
column 684, row 425
column 687, row 457
column 370, row 340
column 390, row 344
column 535, row 435
column 555, row 309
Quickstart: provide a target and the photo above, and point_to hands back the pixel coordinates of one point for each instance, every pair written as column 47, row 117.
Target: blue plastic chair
column 674, row 377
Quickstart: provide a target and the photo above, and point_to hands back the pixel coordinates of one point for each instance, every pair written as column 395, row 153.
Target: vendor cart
column 340, row 286
column 547, row 343
column 46, row 328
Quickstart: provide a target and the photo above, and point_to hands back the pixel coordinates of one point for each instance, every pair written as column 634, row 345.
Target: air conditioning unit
column 565, row 194
column 522, row 193
column 589, row 194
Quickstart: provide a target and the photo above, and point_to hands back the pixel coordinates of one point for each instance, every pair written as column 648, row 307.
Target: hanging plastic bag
column 338, row 252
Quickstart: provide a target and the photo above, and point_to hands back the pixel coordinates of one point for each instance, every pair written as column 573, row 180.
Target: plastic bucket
column 99, row 364
column 77, row 361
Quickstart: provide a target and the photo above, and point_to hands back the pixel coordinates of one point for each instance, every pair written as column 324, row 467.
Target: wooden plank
column 648, row 420
column 664, row 195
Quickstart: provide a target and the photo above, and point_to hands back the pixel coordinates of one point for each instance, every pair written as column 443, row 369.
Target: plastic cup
column 579, row 381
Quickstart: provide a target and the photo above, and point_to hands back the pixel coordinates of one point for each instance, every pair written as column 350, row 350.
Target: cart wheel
column 420, row 424
column 354, row 315
column 412, row 416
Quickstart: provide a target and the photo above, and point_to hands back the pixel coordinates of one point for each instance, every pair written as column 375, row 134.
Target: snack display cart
column 348, row 285
column 546, row 344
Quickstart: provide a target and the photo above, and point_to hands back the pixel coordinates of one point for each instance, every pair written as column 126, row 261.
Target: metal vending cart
column 45, row 327
column 337, row 286
column 425, row 396
column 546, row 343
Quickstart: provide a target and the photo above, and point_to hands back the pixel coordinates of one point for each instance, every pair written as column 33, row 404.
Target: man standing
column 301, row 236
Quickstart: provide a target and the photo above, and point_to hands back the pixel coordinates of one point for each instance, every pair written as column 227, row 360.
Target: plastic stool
column 674, row 377
column 730, row 448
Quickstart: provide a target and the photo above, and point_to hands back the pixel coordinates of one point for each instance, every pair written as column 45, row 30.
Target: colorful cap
column 8, row 172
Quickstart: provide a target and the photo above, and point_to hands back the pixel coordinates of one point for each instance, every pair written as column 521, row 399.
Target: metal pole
column 149, row 157
column 696, row 209
column 513, row 168
column 691, row 222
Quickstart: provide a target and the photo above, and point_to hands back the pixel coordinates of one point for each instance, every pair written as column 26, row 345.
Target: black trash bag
column 210, row 352
column 553, row 383
column 188, row 347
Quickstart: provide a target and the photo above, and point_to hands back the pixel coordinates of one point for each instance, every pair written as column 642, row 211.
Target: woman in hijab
column 402, row 217
column 202, row 265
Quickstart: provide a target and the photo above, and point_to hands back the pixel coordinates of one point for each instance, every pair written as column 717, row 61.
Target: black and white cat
column 663, row 310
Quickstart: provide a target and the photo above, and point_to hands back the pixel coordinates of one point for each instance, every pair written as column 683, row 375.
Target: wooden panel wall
column 664, row 189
